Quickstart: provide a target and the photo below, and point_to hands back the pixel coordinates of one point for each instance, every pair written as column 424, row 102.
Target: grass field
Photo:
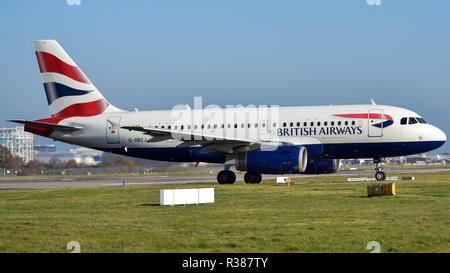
column 319, row 214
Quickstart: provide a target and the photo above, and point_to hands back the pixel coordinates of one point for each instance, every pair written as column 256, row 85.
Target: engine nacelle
column 320, row 166
column 283, row 160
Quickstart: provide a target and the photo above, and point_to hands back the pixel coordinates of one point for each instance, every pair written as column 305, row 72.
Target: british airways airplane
column 257, row 140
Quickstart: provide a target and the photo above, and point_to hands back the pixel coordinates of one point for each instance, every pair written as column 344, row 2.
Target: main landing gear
column 252, row 178
column 379, row 174
column 226, row 177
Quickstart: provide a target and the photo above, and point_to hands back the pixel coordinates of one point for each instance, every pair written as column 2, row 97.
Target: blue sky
column 157, row 54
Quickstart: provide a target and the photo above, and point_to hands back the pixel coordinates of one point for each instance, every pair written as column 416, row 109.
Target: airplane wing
column 46, row 125
column 209, row 142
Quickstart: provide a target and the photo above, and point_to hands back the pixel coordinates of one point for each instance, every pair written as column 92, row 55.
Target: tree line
column 13, row 164
column 110, row 163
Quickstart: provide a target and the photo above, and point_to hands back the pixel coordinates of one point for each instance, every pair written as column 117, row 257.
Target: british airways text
column 313, row 131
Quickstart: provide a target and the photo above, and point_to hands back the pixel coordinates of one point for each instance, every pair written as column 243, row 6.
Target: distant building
column 80, row 155
column 418, row 160
column 49, row 148
column 18, row 142
column 86, row 156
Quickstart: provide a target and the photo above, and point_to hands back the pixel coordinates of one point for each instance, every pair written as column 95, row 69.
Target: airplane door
column 375, row 123
column 112, row 130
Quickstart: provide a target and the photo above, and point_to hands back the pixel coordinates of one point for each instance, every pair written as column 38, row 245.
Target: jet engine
column 321, row 166
column 282, row 160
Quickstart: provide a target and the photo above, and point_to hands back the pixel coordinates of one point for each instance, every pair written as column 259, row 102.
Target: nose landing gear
column 379, row 175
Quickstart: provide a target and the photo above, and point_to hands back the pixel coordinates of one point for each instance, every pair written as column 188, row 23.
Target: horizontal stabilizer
column 46, row 125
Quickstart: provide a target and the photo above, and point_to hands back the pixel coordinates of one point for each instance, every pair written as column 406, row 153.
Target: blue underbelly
column 336, row 150
column 185, row 154
column 380, row 149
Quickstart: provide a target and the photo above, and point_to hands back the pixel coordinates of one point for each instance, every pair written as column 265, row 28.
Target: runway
column 95, row 182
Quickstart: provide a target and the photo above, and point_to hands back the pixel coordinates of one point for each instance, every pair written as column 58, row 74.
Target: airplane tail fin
column 69, row 92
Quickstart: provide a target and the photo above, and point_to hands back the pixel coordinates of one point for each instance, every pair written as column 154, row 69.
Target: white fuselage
column 350, row 136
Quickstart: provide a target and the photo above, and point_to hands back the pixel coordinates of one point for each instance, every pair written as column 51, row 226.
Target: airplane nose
column 439, row 135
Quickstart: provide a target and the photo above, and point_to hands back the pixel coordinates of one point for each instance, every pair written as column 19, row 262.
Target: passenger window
column 169, row 127
column 318, row 123
column 298, row 124
column 274, row 124
column 339, row 123
column 346, row 123
column 353, row 122
column 291, row 124
column 284, row 124
column 256, row 125
column 312, row 124
column 325, row 123
column 215, row 126
column 263, row 125
column 235, row 125
column 412, row 121
column 182, row 126
column 305, row 124
column 332, row 123
column 403, row 121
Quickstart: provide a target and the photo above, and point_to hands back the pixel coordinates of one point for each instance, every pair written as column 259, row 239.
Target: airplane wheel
column 380, row 176
column 252, row 178
column 232, row 177
column 258, row 181
column 226, row 177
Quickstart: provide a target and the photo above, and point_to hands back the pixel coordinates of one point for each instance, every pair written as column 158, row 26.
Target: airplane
column 289, row 140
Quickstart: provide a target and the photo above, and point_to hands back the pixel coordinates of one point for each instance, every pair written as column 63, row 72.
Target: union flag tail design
column 69, row 92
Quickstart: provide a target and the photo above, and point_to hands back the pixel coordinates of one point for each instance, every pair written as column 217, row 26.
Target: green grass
column 319, row 214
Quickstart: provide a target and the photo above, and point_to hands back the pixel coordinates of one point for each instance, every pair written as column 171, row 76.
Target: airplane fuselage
column 347, row 131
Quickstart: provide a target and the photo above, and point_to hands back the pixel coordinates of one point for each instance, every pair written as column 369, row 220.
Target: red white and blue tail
column 69, row 92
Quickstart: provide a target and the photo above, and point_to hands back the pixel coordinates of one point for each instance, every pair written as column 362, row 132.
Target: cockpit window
column 412, row 121
column 403, row 121
column 421, row 120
